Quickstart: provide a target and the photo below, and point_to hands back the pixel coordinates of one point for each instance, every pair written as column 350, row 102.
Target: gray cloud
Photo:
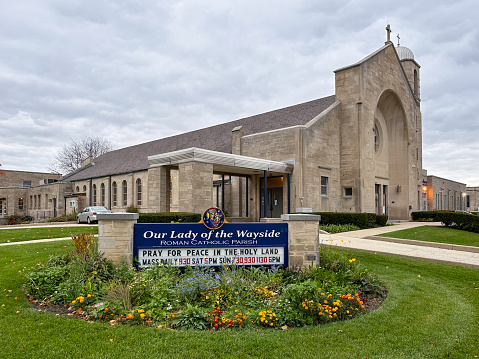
column 136, row 71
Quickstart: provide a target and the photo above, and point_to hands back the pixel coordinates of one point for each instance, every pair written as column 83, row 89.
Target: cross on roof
column 398, row 39
column 388, row 30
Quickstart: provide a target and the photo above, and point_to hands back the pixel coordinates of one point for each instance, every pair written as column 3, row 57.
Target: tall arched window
column 125, row 193
column 94, row 194
column 77, row 189
column 102, row 194
column 84, row 188
column 376, row 138
column 138, row 192
column 114, row 190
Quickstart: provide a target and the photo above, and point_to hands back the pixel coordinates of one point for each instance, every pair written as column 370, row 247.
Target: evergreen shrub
column 361, row 220
column 459, row 220
column 168, row 217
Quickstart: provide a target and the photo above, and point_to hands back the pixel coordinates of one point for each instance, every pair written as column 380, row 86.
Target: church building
column 358, row 150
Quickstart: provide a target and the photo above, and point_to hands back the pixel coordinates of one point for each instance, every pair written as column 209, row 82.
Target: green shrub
column 459, row 220
column 131, row 209
column 169, row 217
column 426, row 216
column 334, row 228
column 361, row 220
column 19, row 219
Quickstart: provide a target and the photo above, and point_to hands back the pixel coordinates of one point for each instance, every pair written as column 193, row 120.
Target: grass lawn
column 437, row 234
column 432, row 312
column 27, row 234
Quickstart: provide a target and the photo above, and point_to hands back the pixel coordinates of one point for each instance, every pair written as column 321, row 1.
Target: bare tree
column 70, row 157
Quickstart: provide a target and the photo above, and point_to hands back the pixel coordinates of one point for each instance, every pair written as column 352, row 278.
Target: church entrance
column 274, row 197
column 391, row 159
column 381, row 198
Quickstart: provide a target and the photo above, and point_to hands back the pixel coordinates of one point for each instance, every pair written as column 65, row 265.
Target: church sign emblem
column 213, row 218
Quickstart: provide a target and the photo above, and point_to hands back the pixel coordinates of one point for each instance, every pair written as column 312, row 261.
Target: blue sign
column 193, row 244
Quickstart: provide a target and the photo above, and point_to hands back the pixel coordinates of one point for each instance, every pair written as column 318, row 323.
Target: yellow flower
column 141, row 310
column 74, row 301
column 89, row 295
column 142, row 315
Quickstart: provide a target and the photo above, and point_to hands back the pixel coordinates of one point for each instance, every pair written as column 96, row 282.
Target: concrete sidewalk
column 363, row 240
column 36, row 241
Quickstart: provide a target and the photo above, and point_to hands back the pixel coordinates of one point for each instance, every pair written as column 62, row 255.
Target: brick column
column 303, row 239
column 196, row 186
column 115, row 236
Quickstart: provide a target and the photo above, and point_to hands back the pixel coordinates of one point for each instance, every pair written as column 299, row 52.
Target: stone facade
column 472, row 199
column 31, row 193
column 444, row 194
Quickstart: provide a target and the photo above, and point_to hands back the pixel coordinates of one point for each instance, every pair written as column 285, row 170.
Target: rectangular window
column 27, row 183
column 324, row 186
column 348, row 191
column 468, row 201
column 20, row 204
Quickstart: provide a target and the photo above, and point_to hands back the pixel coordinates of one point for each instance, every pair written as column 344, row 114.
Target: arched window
column 125, row 193
column 138, row 192
column 376, row 139
column 84, row 188
column 77, row 189
column 102, row 194
column 114, row 189
column 94, row 194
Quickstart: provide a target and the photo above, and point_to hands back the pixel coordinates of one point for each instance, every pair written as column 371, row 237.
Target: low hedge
column 427, row 216
column 362, row 220
column 168, row 217
column 459, row 220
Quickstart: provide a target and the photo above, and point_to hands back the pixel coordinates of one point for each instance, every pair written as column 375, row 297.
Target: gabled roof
column 215, row 138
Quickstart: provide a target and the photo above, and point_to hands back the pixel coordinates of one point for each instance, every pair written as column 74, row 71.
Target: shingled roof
column 216, row 138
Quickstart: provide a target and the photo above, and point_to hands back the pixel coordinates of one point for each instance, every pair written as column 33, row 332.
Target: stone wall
column 444, row 194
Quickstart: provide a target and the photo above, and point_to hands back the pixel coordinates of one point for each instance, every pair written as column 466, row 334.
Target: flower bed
column 206, row 298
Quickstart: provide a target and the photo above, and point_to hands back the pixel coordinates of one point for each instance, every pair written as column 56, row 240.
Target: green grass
column 437, row 234
column 432, row 312
column 28, row 234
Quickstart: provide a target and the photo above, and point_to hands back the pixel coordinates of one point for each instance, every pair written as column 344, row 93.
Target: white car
column 88, row 215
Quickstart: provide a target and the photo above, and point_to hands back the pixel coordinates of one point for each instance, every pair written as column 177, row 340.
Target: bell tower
column 411, row 67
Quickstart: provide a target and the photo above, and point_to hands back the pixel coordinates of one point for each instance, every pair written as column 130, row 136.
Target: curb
column 455, row 247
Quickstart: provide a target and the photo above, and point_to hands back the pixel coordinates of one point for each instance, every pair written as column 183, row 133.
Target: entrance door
column 377, row 198
column 385, row 200
column 274, row 198
column 381, row 198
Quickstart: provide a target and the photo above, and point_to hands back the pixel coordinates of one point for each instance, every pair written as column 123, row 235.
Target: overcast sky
column 136, row 71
